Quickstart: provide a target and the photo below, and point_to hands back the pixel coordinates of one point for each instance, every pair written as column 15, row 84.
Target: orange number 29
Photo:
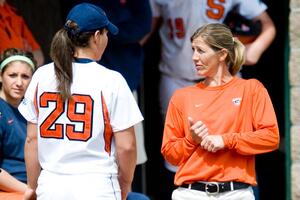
column 50, row 128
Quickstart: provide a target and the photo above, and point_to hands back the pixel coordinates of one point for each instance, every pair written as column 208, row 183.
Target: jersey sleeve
column 177, row 144
column 265, row 135
column 251, row 9
column 27, row 106
column 125, row 111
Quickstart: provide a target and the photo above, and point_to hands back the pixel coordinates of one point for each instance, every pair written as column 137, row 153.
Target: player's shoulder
column 45, row 68
column 4, row 109
column 3, row 104
column 107, row 73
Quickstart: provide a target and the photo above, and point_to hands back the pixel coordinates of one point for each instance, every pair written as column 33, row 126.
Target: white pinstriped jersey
column 181, row 18
column 77, row 136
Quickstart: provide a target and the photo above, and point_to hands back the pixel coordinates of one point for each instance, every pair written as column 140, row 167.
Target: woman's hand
column 198, row 130
column 212, row 143
column 200, row 134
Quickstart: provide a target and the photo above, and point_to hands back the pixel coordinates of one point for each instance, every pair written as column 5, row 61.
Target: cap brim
column 112, row 28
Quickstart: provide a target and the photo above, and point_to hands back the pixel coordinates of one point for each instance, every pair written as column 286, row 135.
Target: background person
column 214, row 129
column 14, row 33
column 17, row 67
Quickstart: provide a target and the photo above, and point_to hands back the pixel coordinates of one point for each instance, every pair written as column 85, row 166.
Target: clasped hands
column 200, row 134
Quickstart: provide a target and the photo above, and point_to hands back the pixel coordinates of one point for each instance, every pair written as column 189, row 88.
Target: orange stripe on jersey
column 107, row 127
column 35, row 100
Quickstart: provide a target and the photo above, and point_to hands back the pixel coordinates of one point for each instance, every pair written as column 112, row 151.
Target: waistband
column 216, row 187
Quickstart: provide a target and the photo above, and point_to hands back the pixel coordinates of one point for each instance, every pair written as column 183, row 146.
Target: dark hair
column 14, row 52
column 218, row 36
column 62, row 53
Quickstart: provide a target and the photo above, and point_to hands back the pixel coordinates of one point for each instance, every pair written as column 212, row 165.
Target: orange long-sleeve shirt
column 14, row 32
column 240, row 110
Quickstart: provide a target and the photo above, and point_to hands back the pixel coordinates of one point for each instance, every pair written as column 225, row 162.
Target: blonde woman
column 214, row 129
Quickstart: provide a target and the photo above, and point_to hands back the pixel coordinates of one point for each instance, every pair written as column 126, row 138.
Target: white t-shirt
column 181, row 18
column 77, row 136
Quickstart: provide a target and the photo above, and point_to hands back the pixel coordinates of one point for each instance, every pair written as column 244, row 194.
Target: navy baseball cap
column 89, row 17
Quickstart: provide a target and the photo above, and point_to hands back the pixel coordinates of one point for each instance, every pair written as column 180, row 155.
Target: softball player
column 82, row 116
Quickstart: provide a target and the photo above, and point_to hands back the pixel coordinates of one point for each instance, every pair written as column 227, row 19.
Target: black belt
column 216, row 187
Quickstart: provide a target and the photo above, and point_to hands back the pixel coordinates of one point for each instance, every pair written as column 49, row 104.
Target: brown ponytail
column 63, row 47
column 61, row 52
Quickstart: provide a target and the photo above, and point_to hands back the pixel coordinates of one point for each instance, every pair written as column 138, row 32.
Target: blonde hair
column 218, row 36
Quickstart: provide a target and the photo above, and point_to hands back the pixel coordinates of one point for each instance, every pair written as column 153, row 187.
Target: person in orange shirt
column 214, row 129
column 14, row 33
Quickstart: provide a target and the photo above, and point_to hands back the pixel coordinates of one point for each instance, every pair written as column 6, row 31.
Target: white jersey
column 77, row 136
column 181, row 18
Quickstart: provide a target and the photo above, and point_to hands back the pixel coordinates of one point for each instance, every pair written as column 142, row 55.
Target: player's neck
column 85, row 53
